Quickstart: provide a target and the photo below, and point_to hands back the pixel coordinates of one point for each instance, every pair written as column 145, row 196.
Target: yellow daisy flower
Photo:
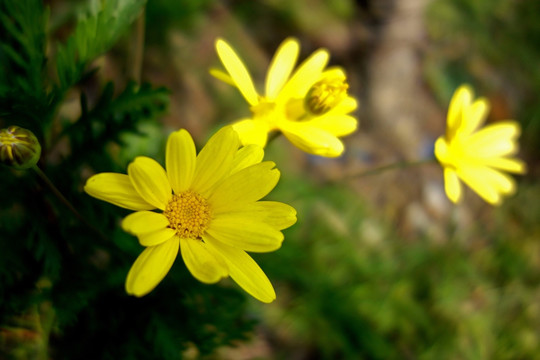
column 310, row 106
column 477, row 156
column 210, row 212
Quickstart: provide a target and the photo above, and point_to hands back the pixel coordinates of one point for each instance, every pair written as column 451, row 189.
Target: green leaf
column 94, row 34
column 112, row 117
column 23, row 94
column 22, row 24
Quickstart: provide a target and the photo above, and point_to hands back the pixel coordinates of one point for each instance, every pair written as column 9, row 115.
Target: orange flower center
column 189, row 214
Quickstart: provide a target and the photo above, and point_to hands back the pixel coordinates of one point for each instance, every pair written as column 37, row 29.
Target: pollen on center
column 189, row 214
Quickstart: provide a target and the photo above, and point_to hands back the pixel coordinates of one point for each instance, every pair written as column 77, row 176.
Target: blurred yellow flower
column 477, row 156
column 210, row 212
column 310, row 106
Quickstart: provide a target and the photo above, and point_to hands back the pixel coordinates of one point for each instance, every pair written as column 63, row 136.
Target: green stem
column 380, row 169
column 137, row 50
column 65, row 201
column 273, row 136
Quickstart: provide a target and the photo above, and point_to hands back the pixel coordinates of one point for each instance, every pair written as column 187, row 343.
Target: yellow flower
column 310, row 106
column 210, row 212
column 477, row 156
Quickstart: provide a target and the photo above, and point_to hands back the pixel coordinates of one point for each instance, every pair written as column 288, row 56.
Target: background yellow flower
column 310, row 106
column 477, row 156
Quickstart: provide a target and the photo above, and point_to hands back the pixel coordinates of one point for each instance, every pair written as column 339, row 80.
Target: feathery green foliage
column 94, row 34
column 23, row 94
column 109, row 119
column 23, row 25
column 63, row 271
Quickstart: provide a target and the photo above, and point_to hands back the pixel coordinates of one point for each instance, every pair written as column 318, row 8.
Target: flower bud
column 19, row 148
column 325, row 94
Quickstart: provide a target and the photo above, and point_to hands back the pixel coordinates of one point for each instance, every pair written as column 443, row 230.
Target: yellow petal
column 246, row 186
column 312, row 140
column 483, row 189
column 452, row 186
column 201, row 263
column 474, row 116
column 180, row 160
column 337, row 125
column 333, row 72
column 150, row 181
column 347, row 105
column 488, row 183
column 116, row 189
column 247, row 156
column 502, row 182
column 223, row 76
column 244, row 233
column 511, row 165
column 237, row 71
column 156, row 237
column 276, row 214
column 151, row 267
column 245, row 271
column 494, row 140
column 253, row 132
column 143, row 222
column 305, row 76
column 281, row 67
column 461, row 99
column 442, row 152
column 215, row 160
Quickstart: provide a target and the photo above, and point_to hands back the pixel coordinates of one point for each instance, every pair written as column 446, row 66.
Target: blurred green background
column 377, row 267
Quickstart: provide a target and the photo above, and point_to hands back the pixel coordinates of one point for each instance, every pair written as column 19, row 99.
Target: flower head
column 19, row 148
column 310, row 106
column 210, row 212
column 479, row 157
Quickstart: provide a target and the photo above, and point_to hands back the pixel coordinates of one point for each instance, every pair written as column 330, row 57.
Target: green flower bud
column 19, row 148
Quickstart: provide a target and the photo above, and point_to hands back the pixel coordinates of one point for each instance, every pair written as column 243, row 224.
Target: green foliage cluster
column 351, row 288
column 62, row 279
column 23, row 93
column 95, row 33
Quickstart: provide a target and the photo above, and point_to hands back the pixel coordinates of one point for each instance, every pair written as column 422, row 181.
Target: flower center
column 189, row 214
column 264, row 108
column 14, row 135
column 326, row 94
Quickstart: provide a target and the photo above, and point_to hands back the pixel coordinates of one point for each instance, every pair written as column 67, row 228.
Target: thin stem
column 380, row 169
column 65, row 201
column 137, row 50
column 273, row 136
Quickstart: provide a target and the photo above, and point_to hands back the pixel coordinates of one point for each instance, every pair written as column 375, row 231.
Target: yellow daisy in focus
column 479, row 157
column 310, row 106
column 210, row 212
